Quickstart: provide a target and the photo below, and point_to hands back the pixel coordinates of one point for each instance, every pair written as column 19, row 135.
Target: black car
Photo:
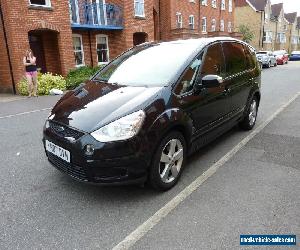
column 140, row 116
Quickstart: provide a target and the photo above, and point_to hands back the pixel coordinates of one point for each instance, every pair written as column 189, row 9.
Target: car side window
column 213, row 63
column 235, row 58
column 189, row 77
column 250, row 58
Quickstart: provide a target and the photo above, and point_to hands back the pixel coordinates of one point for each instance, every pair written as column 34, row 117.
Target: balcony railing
column 95, row 16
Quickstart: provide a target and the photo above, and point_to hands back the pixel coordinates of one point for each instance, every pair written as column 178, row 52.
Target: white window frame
column 222, row 25
column 214, row 3
column 213, row 25
column 229, row 27
column 229, row 5
column 140, row 3
column 204, row 2
column 223, row 5
column 204, row 26
column 179, row 20
column 192, row 22
column 269, row 37
column 82, row 49
column 47, row 4
column 106, row 37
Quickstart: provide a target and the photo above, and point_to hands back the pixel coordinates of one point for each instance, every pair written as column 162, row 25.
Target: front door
column 36, row 45
column 208, row 107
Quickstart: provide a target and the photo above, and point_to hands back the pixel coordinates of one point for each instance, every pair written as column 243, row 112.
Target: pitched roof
column 291, row 17
column 276, row 9
column 257, row 5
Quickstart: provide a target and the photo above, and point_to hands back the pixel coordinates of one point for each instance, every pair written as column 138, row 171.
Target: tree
column 247, row 33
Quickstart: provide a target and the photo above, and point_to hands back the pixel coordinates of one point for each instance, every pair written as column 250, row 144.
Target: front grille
column 74, row 171
column 64, row 131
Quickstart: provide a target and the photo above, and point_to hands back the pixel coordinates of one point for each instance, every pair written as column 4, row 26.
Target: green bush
column 46, row 82
column 80, row 75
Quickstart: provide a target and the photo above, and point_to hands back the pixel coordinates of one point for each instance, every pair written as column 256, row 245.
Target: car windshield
column 295, row 53
column 147, row 65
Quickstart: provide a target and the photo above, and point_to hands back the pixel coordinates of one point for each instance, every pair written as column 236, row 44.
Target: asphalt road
column 256, row 191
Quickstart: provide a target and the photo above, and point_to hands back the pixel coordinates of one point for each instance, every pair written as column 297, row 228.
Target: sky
column 289, row 5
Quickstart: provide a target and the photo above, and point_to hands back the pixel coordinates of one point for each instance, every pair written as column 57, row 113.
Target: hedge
column 46, row 82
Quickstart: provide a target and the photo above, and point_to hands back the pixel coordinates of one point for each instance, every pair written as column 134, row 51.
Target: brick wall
column 246, row 15
column 20, row 19
column 5, row 77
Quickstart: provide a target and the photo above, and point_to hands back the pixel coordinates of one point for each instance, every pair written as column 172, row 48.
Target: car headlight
column 121, row 129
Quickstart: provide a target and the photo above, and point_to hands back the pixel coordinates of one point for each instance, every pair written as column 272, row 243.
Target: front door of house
column 36, row 45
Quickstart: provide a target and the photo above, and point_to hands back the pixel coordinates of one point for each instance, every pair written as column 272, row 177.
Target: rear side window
column 250, row 58
column 235, row 58
column 213, row 63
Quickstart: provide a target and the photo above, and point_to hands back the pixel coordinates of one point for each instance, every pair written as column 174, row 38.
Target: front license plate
column 58, row 151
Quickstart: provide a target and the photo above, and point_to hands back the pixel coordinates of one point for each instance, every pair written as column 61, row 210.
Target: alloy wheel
column 252, row 112
column 171, row 160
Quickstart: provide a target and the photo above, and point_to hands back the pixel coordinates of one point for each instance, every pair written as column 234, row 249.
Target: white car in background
column 266, row 58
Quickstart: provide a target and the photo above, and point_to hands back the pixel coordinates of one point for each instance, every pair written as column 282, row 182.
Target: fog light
column 89, row 149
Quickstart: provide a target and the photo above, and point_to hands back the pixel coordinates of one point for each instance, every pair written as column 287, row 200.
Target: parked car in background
column 281, row 56
column 141, row 115
column 295, row 56
column 266, row 58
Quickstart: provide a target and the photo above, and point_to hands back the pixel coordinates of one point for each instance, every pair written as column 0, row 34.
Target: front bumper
column 121, row 162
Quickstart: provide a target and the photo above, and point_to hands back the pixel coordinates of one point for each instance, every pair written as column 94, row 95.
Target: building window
column 229, row 27
column 192, row 22
column 222, row 25
column 45, row 3
column 230, row 5
column 294, row 40
column 268, row 37
column 78, row 50
column 139, row 8
column 204, row 2
column 281, row 38
column 223, row 5
column 179, row 20
column 204, row 24
column 214, row 3
column 102, row 49
column 213, row 25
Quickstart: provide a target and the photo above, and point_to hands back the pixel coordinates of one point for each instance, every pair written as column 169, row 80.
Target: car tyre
column 168, row 162
column 251, row 115
column 269, row 64
column 275, row 64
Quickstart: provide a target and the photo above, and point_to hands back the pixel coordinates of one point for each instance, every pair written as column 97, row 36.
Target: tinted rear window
column 234, row 57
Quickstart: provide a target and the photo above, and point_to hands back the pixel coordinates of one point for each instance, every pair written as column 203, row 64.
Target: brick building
column 66, row 34
column 272, row 28
column 196, row 18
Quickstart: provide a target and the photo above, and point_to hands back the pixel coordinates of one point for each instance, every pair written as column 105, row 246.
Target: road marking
column 144, row 228
column 25, row 113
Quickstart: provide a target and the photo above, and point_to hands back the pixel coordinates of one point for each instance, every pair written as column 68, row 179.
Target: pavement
column 10, row 97
column 256, row 191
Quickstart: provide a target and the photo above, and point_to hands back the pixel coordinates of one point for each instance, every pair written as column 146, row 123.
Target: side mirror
column 211, row 81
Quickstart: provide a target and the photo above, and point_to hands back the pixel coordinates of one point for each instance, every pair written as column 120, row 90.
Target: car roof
column 296, row 52
column 202, row 42
column 198, row 43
